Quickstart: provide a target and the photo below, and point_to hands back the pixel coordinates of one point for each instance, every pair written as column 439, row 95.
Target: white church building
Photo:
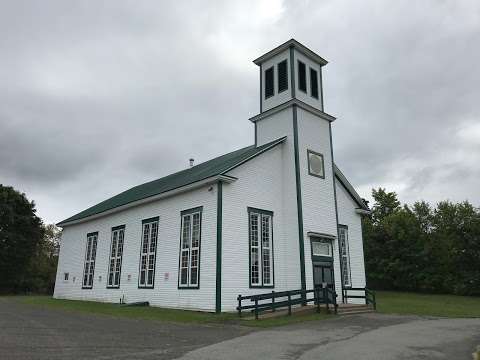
column 274, row 216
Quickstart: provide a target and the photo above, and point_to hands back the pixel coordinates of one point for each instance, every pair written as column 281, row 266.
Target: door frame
column 316, row 259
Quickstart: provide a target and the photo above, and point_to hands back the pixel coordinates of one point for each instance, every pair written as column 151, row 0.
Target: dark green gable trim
column 218, row 284
column 299, row 201
column 336, row 207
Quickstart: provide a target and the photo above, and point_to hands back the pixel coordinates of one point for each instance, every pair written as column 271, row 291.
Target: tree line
column 411, row 248
column 422, row 248
column 28, row 247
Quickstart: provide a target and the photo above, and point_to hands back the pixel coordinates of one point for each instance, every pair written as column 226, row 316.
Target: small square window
column 65, row 276
column 316, row 164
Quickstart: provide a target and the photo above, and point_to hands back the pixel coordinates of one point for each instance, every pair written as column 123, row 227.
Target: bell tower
column 291, row 106
column 290, row 71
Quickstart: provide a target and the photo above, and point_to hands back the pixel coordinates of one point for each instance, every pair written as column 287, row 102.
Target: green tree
column 42, row 269
column 21, row 232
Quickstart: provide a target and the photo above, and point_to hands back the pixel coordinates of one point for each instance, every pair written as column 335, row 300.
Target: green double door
column 323, row 274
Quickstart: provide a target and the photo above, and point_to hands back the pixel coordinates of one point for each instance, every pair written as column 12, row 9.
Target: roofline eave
column 173, row 192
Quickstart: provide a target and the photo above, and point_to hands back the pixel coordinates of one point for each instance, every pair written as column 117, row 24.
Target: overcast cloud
column 97, row 97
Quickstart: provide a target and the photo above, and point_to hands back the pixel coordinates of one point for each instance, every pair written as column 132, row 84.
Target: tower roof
column 291, row 43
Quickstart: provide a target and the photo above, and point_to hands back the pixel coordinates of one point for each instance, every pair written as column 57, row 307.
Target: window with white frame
column 189, row 263
column 148, row 252
column 116, row 253
column 261, row 247
column 90, row 255
column 344, row 255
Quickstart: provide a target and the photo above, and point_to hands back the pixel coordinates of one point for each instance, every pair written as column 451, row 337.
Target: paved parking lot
column 30, row 332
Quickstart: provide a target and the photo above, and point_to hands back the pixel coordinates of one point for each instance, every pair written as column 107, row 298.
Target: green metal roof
column 214, row 167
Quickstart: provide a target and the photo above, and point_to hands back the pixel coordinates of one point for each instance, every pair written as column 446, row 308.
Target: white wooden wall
column 165, row 293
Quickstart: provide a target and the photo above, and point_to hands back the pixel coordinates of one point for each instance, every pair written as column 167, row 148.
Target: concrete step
column 351, row 309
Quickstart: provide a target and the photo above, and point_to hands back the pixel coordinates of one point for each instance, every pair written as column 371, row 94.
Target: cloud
column 100, row 97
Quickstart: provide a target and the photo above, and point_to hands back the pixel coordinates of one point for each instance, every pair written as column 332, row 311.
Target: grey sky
column 97, row 97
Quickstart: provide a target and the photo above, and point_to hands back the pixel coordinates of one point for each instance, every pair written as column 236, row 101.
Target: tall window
column 189, row 274
column 90, row 255
column 282, row 76
column 261, row 247
column 344, row 255
column 302, row 76
column 313, row 83
column 269, row 88
column 148, row 253
column 116, row 253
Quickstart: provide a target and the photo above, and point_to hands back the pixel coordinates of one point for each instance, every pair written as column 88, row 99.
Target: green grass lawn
column 161, row 314
column 427, row 305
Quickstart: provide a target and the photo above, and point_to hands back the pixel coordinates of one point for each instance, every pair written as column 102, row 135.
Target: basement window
column 65, row 276
column 148, row 253
column 314, row 83
column 282, row 71
column 302, row 77
column 90, row 255
column 269, row 88
column 189, row 268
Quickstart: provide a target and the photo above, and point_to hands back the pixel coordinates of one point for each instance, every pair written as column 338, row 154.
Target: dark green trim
column 299, row 201
column 308, row 163
column 292, row 72
column 341, row 226
column 115, row 228
column 336, row 206
column 256, row 135
column 89, row 287
column 260, row 211
column 192, row 210
column 198, row 209
column 150, row 220
column 260, row 286
column 218, row 283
